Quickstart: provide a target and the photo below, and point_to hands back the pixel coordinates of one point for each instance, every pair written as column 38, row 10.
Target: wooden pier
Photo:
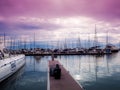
column 65, row 83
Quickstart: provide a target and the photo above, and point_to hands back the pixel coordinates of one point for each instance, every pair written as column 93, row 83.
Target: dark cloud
column 14, row 27
column 27, row 27
column 4, row 27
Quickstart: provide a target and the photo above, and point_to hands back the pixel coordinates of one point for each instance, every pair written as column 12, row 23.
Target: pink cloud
column 105, row 9
column 101, row 10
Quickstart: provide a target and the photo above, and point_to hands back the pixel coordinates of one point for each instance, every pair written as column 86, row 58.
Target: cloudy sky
column 60, row 19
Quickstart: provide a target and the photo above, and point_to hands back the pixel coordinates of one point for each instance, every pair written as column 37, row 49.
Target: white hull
column 10, row 65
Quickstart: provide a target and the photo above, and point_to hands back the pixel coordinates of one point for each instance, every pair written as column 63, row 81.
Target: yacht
column 113, row 48
column 9, row 64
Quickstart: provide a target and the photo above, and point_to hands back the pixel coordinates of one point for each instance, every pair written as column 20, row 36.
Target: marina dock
column 66, row 82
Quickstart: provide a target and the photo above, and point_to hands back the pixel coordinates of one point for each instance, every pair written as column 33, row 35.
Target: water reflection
column 38, row 58
column 94, row 72
column 33, row 76
column 8, row 83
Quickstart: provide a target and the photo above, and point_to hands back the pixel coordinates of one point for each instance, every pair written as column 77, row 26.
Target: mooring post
column 52, row 56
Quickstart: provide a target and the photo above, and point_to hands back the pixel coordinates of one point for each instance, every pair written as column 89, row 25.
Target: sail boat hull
column 10, row 65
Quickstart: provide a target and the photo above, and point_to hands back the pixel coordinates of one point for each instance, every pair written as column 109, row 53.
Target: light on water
column 92, row 72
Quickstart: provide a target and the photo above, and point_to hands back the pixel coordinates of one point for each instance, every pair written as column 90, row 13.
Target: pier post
column 52, row 56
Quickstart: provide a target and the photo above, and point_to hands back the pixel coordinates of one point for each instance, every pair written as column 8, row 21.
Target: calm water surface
column 92, row 72
column 33, row 76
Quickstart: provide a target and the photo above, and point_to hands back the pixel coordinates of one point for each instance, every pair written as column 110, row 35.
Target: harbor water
column 32, row 76
column 92, row 72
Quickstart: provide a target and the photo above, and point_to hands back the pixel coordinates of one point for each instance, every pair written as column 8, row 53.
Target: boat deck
column 66, row 82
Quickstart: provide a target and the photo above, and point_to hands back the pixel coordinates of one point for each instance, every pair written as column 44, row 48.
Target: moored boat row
column 97, row 50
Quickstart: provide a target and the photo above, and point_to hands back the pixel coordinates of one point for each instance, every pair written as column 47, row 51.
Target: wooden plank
column 66, row 82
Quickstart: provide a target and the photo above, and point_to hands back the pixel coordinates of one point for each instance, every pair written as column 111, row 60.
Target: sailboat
column 9, row 64
column 95, row 50
column 110, row 48
column 113, row 48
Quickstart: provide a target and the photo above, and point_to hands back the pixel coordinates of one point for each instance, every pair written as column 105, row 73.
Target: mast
column 79, row 42
column 4, row 40
column 34, row 40
column 107, row 41
column 89, row 44
column 18, row 45
column 58, row 45
column 24, row 44
column 95, row 37
column 29, row 44
column 65, row 44
column 14, row 42
column 72, row 44
column 11, row 43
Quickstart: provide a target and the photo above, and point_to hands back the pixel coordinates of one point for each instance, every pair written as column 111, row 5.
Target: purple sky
column 58, row 19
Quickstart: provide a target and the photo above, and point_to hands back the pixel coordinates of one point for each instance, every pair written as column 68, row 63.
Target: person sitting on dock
column 57, row 72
